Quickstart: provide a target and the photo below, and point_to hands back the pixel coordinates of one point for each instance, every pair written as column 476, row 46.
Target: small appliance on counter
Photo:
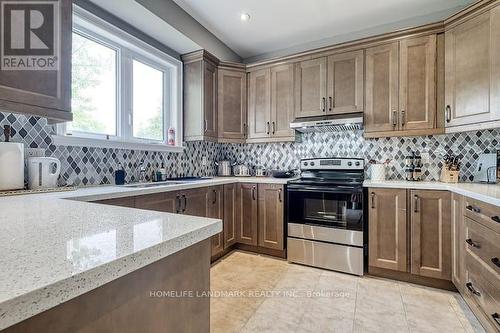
column 11, row 163
column 43, row 172
column 241, row 170
column 224, row 168
column 260, row 172
column 284, row 173
column 486, row 169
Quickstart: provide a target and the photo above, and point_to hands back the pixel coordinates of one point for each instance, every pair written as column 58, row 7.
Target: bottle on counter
column 120, row 175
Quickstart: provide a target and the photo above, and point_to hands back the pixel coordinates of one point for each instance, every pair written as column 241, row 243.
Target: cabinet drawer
column 485, row 293
column 484, row 213
column 484, row 243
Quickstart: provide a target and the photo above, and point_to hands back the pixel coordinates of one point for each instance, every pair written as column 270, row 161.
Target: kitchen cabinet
column 161, row 202
column 310, row 88
column 259, row 104
column 232, row 103
column 431, row 234
column 270, row 216
column 346, row 82
column 473, row 72
column 330, row 85
column 270, row 104
column 230, row 214
column 247, row 213
column 387, row 228
column 215, row 209
column 43, row 93
column 195, row 201
column 401, row 93
column 200, row 96
column 457, row 241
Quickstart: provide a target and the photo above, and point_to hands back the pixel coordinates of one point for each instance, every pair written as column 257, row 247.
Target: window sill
column 68, row 140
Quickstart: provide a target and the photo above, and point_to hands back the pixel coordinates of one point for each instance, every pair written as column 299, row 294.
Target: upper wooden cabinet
column 310, row 88
column 345, row 83
column 270, row 104
column 200, row 96
column 387, row 229
column 431, row 234
column 401, row 88
column 43, row 93
column 330, row 85
column 232, row 105
column 473, row 73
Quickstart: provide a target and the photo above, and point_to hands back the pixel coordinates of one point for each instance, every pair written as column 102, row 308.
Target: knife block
column 449, row 176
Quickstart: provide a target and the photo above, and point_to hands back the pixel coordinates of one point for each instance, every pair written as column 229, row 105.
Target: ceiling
column 141, row 18
column 280, row 24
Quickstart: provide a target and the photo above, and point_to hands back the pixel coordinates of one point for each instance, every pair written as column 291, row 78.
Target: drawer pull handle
column 496, row 219
column 471, row 243
column 496, row 317
column 473, row 209
column 471, row 289
column 469, row 207
column 496, row 261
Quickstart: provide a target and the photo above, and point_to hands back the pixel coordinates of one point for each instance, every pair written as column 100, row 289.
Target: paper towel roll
column 11, row 166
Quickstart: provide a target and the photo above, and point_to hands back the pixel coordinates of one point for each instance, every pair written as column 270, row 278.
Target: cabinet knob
column 394, row 118
column 496, row 318
column 415, row 208
column 448, row 113
column 496, row 261
column 472, row 289
column 279, row 195
column 373, row 199
column 330, row 99
column 496, row 219
column 472, row 244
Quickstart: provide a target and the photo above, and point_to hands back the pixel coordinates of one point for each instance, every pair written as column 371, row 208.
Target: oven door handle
column 337, row 189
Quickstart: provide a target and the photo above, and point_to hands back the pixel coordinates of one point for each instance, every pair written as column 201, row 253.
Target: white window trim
column 129, row 48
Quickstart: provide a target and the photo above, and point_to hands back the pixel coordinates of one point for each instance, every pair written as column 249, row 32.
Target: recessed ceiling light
column 245, row 17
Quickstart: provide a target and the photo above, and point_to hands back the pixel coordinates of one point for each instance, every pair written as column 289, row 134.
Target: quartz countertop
column 489, row 193
column 57, row 246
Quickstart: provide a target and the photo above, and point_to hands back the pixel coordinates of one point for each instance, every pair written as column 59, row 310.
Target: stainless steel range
column 326, row 215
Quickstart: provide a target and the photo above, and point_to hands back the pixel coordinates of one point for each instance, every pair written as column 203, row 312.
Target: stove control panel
column 336, row 163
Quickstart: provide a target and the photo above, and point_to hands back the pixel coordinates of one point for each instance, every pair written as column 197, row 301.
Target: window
column 124, row 92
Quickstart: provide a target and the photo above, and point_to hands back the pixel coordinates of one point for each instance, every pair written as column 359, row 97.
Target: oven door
column 324, row 206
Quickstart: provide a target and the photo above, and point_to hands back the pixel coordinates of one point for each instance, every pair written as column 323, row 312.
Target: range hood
column 331, row 123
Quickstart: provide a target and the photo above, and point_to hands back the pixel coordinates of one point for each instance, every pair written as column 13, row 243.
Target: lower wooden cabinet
column 271, row 234
column 431, row 234
column 195, row 201
column 247, row 214
column 457, row 241
column 416, row 240
column 230, row 214
column 215, row 208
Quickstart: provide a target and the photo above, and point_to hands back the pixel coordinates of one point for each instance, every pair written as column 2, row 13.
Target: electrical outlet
column 204, row 161
column 425, row 158
column 34, row 152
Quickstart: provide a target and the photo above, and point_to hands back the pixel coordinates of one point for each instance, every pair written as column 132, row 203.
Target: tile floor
column 254, row 293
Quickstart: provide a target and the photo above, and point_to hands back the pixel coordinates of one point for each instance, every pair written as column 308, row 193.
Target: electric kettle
column 43, row 172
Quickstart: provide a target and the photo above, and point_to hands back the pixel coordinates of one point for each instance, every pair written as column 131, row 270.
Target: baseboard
column 408, row 277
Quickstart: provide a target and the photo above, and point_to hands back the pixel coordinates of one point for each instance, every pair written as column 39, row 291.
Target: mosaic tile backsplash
column 93, row 166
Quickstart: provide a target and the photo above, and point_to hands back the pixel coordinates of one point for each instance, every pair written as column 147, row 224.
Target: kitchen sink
column 146, row 185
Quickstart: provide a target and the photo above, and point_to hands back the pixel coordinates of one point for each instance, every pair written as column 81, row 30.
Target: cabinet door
column 161, row 202
column 232, row 105
column 44, row 93
column 346, row 82
column 259, row 104
column 387, row 229
column 381, row 91
column 210, row 99
column 457, row 241
column 417, row 83
column 310, row 88
column 247, row 219
column 468, row 62
column 215, row 206
column 271, row 223
column 431, row 234
column 194, row 202
column 230, row 214
column 282, row 112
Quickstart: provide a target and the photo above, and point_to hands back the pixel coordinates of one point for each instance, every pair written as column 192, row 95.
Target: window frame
column 129, row 48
